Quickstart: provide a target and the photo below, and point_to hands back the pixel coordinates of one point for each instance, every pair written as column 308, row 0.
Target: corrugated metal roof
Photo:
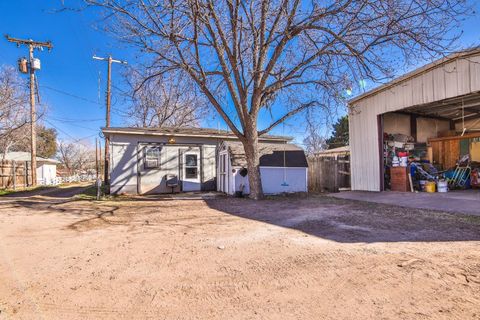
column 411, row 74
column 186, row 131
column 271, row 155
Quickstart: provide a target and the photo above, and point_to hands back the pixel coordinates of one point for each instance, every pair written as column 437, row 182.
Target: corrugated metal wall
column 446, row 80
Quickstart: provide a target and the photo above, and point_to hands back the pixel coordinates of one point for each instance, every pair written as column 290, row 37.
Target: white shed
column 46, row 168
column 443, row 96
column 283, row 168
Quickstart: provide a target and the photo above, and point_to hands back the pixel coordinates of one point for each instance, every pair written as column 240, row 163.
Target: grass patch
column 4, row 192
column 90, row 193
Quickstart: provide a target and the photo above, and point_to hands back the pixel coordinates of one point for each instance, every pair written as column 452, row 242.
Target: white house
column 164, row 160
column 283, row 168
column 46, row 168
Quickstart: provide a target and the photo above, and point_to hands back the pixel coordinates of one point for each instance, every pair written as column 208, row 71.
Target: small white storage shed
column 283, row 168
column 46, row 168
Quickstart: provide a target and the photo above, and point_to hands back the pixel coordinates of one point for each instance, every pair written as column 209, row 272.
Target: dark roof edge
column 224, row 135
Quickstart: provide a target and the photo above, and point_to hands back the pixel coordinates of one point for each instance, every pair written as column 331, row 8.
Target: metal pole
column 96, row 158
column 33, row 116
column 107, row 117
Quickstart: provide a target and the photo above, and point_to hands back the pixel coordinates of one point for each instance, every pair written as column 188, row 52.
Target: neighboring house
column 437, row 107
column 46, row 168
column 144, row 159
column 283, row 168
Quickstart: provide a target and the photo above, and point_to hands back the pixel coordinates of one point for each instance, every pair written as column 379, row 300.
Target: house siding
column 127, row 162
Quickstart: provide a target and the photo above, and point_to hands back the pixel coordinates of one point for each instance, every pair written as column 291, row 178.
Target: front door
column 191, row 180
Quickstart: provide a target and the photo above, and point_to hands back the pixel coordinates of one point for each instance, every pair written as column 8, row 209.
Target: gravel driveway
column 286, row 258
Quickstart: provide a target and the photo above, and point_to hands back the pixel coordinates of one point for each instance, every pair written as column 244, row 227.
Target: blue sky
column 69, row 79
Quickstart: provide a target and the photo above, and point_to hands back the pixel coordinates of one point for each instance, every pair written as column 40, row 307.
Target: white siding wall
column 458, row 77
column 46, row 172
column 124, row 160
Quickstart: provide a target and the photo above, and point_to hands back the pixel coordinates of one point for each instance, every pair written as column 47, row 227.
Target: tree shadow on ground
column 348, row 221
column 48, row 192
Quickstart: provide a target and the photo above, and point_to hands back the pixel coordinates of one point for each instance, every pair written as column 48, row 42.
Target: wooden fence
column 14, row 174
column 328, row 173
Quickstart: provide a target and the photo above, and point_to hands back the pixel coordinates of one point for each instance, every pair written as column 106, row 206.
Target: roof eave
column 151, row 133
column 413, row 73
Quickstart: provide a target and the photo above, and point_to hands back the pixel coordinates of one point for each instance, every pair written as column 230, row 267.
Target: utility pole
column 33, row 65
column 96, row 158
column 109, row 60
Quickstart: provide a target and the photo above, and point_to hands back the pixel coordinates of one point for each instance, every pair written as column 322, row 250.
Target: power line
column 75, row 120
column 74, row 125
column 77, row 140
column 71, row 95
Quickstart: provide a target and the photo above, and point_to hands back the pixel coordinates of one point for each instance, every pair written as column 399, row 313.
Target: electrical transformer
column 35, row 64
column 23, row 65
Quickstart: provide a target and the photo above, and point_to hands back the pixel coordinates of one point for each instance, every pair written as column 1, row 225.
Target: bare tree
column 13, row 109
column 75, row 157
column 250, row 58
column 167, row 101
column 314, row 141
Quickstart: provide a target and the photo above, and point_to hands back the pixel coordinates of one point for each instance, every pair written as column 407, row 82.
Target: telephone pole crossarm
column 29, row 42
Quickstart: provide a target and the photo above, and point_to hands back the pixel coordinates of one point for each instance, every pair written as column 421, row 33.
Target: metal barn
column 437, row 105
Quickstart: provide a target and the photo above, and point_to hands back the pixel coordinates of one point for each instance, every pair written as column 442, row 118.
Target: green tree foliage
column 339, row 136
column 46, row 142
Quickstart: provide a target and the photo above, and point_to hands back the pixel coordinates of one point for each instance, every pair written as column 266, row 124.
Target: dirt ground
column 287, row 258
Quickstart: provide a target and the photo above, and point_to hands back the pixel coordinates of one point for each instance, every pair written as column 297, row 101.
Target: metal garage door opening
column 432, row 146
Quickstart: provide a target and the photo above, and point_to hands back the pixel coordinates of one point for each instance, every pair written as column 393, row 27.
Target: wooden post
column 33, row 143
column 106, row 168
column 99, row 157
column 33, row 119
column 1, row 173
column 26, row 175
column 335, row 173
column 96, row 158
column 14, row 175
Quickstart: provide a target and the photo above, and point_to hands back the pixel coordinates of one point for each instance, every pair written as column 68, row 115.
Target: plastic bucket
column 442, row 186
column 430, row 186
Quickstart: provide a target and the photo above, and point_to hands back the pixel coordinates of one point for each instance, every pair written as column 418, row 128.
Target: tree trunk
column 250, row 145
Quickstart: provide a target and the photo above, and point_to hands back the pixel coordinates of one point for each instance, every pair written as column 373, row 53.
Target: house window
column 191, row 166
column 152, row 157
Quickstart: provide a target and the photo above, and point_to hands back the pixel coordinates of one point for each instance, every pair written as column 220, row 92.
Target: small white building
column 283, row 168
column 46, row 168
column 148, row 160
